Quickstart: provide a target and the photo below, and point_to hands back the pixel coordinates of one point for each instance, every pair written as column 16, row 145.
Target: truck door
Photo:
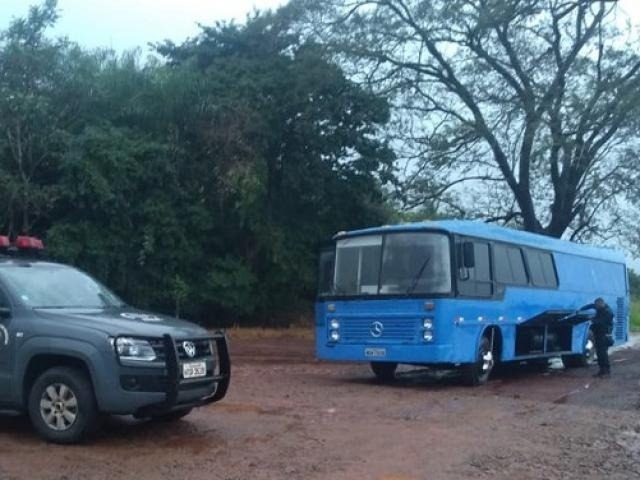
column 6, row 348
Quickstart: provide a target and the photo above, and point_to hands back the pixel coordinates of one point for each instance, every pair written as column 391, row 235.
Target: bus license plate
column 194, row 370
column 375, row 352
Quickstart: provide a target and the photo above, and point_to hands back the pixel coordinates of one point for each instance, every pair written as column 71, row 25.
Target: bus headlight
column 427, row 335
column 427, row 324
column 334, row 324
column 334, row 335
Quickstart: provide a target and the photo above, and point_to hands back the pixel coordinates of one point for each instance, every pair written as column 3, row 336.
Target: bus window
column 543, row 273
column 416, row 263
column 509, row 265
column 358, row 265
column 476, row 281
column 412, row 263
column 325, row 271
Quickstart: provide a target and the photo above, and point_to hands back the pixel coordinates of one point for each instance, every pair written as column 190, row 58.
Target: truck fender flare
column 79, row 350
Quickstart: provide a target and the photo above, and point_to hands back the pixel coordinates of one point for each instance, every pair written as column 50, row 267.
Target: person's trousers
column 602, row 351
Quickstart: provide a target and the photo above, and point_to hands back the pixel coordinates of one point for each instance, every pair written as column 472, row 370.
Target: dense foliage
column 203, row 183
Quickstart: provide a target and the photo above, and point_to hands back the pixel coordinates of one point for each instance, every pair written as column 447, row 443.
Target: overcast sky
column 126, row 24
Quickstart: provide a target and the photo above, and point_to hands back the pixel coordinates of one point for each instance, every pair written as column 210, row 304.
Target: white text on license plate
column 194, row 369
column 375, row 352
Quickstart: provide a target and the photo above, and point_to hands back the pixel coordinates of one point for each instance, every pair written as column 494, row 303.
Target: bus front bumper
column 422, row 354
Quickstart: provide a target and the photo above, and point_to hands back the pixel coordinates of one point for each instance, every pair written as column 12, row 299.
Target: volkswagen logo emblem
column 189, row 349
column 376, row 329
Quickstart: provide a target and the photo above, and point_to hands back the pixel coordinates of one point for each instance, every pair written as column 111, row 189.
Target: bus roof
column 489, row 231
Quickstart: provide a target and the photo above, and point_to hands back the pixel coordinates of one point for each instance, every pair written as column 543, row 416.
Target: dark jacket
column 603, row 320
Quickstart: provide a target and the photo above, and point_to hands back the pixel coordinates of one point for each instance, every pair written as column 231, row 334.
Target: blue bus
column 463, row 294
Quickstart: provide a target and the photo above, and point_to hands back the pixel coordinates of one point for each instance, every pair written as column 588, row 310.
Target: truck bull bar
column 221, row 378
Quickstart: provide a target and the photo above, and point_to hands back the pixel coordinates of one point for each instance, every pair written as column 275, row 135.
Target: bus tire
column 584, row 359
column 384, row 371
column 478, row 373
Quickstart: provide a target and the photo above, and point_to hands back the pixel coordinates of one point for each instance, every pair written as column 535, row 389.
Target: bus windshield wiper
column 416, row 279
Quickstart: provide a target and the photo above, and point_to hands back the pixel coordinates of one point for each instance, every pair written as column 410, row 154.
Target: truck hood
column 123, row 321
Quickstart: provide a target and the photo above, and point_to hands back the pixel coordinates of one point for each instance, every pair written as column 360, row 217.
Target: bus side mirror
column 466, row 255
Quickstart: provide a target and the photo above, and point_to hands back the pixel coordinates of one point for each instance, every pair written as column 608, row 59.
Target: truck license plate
column 375, row 352
column 194, row 369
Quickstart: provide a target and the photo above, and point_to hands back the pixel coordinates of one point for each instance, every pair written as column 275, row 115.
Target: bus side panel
column 459, row 322
column 585, row 279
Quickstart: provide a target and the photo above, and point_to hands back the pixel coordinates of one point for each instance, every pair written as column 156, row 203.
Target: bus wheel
column 478, row 373
column 384, row 371
column 584, row 359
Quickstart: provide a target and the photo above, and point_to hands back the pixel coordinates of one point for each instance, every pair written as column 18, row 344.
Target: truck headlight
column 135, row 349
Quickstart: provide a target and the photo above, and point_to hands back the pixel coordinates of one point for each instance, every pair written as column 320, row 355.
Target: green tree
column 287, row 155
column 526, row 108
column 634, row 284
column 202, row 185
column 41, row 102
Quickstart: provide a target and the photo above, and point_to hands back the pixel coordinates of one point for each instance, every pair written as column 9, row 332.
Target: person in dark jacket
column 602, row 326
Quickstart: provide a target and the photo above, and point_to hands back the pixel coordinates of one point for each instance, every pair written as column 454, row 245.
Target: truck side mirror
column 466, row 255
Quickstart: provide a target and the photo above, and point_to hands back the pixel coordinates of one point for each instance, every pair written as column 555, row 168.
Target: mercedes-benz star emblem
column 376, row 329
column 189, row 349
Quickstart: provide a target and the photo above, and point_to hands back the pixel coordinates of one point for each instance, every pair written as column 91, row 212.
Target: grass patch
column 635, row 315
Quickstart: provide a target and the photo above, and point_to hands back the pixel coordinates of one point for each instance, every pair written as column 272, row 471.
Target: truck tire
column 584, row 359
column 172, row 416
column 384, row 371
column 62, row 405
column 477, row 373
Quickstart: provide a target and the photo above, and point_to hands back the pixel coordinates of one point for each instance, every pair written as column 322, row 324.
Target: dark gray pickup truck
column 70, row 350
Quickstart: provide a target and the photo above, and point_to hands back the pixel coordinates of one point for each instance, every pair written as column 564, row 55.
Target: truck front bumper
column 146, row 391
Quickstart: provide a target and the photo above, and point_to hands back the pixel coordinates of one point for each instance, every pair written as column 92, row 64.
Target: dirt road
column 290, row 417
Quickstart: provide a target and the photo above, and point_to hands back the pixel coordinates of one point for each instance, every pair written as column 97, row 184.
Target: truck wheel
column 477, row 373
column 584, row 359
column 172, row 416
column 384, row 371
column 62, row 406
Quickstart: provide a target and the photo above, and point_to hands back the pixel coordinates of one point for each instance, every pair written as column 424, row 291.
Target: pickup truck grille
column 203, row 349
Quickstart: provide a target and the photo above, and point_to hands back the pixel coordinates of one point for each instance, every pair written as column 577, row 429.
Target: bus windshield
column 402, row 264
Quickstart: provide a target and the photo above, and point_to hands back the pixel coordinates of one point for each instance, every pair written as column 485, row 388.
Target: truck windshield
column 405, row 263
column 56, row 286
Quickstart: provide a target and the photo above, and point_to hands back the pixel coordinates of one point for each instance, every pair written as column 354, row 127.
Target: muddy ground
column 288, row 416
